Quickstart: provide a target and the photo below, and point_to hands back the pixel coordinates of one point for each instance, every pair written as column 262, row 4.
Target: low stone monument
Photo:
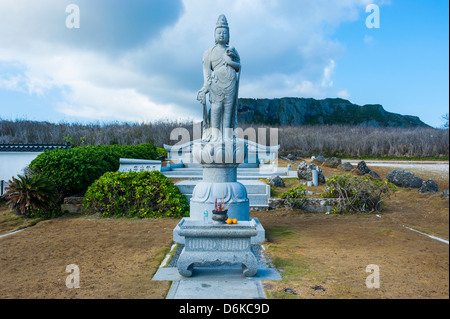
column 138, row 165
column 219, row 152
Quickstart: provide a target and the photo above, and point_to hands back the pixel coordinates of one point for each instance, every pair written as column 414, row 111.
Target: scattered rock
column 428, row 186
column 403, row 178
column 319, row 160
column 318, row 288
column 291, row 157
column 304, row 172
column 362, row 167
column 73, row 205
column 374, row 174
column 445, row 194
column 356, row 171
column 289, row 290
column 276, row 181
column 346, row 166
column 333, row 162
column 276, row 203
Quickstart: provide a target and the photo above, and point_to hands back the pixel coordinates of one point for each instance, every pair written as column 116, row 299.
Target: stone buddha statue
column 221, row 72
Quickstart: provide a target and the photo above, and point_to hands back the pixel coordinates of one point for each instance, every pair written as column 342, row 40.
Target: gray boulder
column 428, row 186
column 362, row 167
column 319, row 160
column 276, row 181
column 291, row 157
column 333, row 162
column 346, row 166
column 445, row 194
column 304, row 172
column 403, row 178
column 374, row 174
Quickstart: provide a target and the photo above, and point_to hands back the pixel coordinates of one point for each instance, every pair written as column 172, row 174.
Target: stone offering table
column 217, row 244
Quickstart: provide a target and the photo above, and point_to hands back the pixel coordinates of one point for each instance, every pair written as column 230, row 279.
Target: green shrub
column 32, row 196
column 47, row 212
column 135, row 194
column 357, row 193
column 296, row 197
column 74, row 170
column 161, row 152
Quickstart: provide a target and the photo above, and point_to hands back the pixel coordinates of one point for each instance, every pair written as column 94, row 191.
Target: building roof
column 32, row 147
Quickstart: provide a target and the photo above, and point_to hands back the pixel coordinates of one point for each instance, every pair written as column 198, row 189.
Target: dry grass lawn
column 318, row 255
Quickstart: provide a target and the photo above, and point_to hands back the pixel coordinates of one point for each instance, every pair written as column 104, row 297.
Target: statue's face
column 222, row 36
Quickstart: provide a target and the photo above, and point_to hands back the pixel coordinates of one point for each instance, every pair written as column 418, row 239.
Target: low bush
column 74, row 170
column 135, row 194
column 358, row 193
column 296, row 197
column 32, row 196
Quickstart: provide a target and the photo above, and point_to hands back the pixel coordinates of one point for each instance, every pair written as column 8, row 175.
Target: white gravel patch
column 423, row 166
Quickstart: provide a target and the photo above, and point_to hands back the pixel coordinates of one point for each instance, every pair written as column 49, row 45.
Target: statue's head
column 222, row 33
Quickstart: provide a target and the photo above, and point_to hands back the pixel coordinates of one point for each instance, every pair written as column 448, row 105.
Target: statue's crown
column 222, row 22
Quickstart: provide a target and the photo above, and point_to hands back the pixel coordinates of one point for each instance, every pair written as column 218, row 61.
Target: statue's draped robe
column 223, row 83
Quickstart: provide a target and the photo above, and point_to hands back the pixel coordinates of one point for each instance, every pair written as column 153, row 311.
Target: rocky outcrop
column 333, row 162
column 362, row 169
column 428, row 186
column 72, row 205
column 311, row 205
column 318, row 160
column 301, row 111
column 276, row 181
column 346, row 166
column 403, row 178
column 304, row 172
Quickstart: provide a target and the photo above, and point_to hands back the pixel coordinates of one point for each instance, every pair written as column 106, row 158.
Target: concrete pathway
column 219, row 282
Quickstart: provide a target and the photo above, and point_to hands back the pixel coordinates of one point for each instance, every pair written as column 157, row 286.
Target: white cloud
column 343, row 94
column 87, row 101
column 327, row 73
column 285, row 48
column 11, row 83
column 369, row 40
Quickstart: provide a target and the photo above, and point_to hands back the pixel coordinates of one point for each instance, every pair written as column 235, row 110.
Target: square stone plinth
column 258, row 239
column 211, row 244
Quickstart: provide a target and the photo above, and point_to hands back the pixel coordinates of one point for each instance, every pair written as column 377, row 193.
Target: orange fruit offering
column 229, row 221
column 235, row 221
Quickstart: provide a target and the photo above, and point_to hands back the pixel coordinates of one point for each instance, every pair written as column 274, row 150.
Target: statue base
column 204, row 240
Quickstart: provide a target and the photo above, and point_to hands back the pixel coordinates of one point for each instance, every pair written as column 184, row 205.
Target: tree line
column 330, row 140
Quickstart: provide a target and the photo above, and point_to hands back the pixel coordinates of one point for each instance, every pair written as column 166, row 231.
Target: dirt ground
column 116, row 258
column 318, row 255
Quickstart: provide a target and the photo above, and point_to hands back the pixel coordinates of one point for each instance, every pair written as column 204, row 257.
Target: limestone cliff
column 308, row 111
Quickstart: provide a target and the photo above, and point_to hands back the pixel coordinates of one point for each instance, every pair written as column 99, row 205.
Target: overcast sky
column 140, row 61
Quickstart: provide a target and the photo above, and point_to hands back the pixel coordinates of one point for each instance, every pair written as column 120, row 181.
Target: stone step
column 242, row 173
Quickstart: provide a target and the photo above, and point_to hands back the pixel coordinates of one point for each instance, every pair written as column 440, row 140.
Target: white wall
column 13, row 163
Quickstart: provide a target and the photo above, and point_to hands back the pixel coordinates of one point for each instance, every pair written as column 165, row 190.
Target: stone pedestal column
column 219, row 181
column 219, row 162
